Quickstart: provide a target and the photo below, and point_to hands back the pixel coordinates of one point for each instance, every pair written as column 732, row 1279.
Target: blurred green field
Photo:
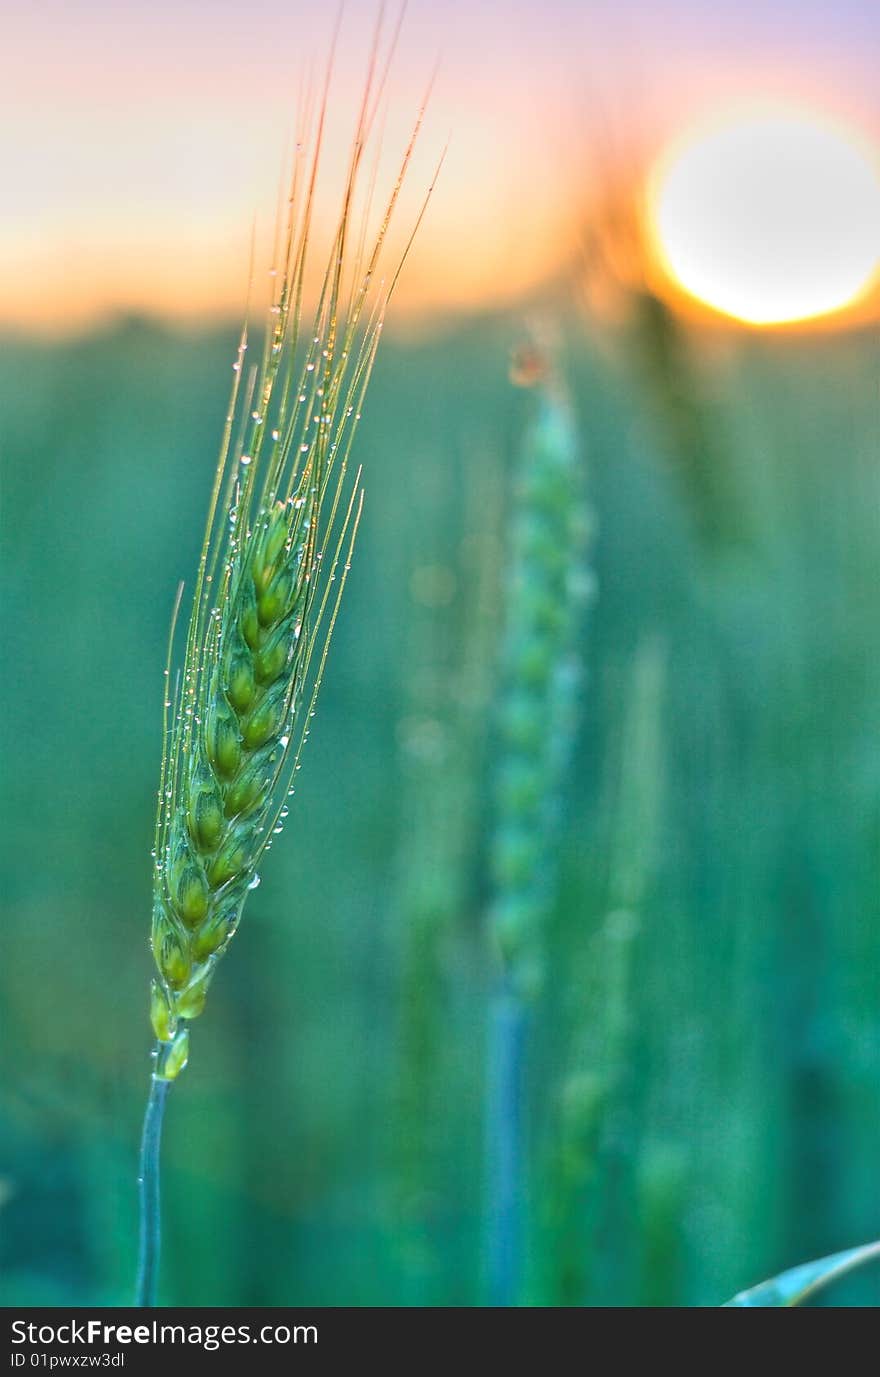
column 325, row 1145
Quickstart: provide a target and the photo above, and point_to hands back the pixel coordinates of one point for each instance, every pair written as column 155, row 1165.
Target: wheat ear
column 281, row 525
column 548, row 583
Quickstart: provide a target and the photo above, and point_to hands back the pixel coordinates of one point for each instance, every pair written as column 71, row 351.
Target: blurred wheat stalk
column 281, row 525
column 593, row 1153
column 548, row 584
column 650, row 344
column 450, row 666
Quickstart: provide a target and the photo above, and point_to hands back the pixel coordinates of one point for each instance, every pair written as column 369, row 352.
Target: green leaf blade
column 801, row 1283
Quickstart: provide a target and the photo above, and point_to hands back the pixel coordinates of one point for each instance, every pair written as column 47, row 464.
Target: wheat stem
column 547, row 587
column 148, row 1192
column 505, row 1149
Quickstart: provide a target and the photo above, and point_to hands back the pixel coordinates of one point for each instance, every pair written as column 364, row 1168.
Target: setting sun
column 768, row 214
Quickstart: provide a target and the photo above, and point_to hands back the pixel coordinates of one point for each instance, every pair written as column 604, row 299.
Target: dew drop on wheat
column 254, row 882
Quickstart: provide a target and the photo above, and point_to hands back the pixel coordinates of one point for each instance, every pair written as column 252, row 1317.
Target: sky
column 138, row 142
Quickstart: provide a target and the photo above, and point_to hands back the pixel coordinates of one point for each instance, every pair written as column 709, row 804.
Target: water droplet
column 254, row 882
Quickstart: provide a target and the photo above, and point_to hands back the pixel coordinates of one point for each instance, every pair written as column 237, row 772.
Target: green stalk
column 592, row 1160
column 451, row 662
column 547, row 585
column 150, row 1233
column 505, row 1149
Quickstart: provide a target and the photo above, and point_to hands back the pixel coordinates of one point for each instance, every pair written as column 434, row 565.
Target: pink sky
column 139, row 140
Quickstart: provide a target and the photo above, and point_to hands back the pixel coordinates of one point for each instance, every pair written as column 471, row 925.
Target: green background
column 325, row 1144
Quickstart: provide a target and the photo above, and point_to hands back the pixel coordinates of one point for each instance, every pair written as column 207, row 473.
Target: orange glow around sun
column 768, row 214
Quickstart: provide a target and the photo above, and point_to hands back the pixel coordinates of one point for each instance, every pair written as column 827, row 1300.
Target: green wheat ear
column 281, row 525
column 549, row 585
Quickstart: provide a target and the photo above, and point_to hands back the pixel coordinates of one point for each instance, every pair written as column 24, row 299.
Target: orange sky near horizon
column 139, row 142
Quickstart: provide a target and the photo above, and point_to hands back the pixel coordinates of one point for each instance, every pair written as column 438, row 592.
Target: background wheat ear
column 548, row 584
column 281, row 526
